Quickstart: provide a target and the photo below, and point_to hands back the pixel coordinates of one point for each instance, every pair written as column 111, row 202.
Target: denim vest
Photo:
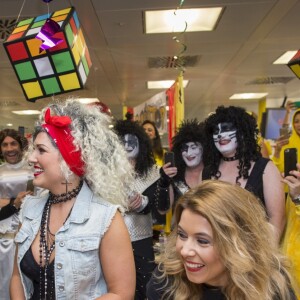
column 78, row 272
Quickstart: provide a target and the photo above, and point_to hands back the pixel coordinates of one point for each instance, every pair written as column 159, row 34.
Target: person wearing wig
column 73, row 242
column 142, row 199
column 233, row 155
column 188, row 150
column 222, row 247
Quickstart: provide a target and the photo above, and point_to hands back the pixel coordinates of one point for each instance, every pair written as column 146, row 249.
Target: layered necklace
column 47, row 241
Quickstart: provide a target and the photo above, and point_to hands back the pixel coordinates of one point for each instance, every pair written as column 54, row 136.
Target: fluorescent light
column 285, row 58
column 87, row 100
column 9, row 124
column 163, row 84
column 248, row 96
column 26, row 112
column 196, row 19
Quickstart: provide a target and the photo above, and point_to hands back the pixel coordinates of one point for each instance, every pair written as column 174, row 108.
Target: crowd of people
column 86, row 229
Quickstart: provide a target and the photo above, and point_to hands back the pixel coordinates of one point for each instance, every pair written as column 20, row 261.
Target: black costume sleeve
column 158, row 196
column 155, row 288
column 7, row 211
column 162, row 197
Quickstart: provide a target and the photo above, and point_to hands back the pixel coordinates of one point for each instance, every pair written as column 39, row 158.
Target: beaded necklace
column 47, row 240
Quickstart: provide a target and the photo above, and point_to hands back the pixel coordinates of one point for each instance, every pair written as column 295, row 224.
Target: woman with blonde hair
column 73, row 242
column 222, row 247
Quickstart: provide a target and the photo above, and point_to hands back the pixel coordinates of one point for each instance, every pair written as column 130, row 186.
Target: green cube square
column 25, row 70
column 63, row 62
column 51, row 86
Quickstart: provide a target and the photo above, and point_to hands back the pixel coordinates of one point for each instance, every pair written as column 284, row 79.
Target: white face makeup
column 192, row 154
column 224, row 136
column 131, row 144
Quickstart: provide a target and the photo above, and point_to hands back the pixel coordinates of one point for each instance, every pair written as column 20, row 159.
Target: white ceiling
column 249, row 37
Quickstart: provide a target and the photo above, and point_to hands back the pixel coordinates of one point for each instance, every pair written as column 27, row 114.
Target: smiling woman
column 219, row 251
column 73, row 250
column 232, row 154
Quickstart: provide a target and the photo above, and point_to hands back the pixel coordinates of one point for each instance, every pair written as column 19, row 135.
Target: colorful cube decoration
column 294, row 64
column 58, row 70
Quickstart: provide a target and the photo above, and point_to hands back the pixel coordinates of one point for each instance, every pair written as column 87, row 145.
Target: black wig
column 247, row 134
column 188, row 131
column 145, row 159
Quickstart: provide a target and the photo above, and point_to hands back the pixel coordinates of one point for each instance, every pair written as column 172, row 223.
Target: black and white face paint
column 192, row 154
column 131, row 144
column 224, row 136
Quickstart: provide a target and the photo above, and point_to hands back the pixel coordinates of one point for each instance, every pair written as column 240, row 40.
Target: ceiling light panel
column 187, row 20
column 26, row 112
column 163, row 84
column 285, row 58
column 248, row 96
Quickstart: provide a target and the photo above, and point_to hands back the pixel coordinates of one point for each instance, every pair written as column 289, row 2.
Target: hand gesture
column 279, row 143
column 289, row 106
column 293, row 181
column 20, row 197
column 135, row 200
column 169, row 171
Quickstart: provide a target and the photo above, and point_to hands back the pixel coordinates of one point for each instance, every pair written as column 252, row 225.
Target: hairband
column 58, row 128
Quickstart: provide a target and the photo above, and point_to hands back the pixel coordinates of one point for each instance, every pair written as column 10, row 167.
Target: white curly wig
column 107, row 169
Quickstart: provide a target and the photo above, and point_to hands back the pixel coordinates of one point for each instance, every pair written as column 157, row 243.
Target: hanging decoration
column 56, row 70
column 294, row 64
column 46, row 33
column 178, row 56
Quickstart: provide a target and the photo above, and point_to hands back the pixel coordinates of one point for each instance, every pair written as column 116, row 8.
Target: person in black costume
column 219, row 251
column 232, row 154
column 147, row 192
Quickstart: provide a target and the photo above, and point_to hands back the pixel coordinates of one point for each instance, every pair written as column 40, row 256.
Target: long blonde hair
column 243, row 238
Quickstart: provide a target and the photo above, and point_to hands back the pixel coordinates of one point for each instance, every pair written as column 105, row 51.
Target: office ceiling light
column 26, row 112
column 285, row 58
column 88, row 100
column 163, row 84
column 248, row 96
column 197, row 19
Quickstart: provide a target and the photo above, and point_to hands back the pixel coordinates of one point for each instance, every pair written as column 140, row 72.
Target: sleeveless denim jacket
column 78, row 272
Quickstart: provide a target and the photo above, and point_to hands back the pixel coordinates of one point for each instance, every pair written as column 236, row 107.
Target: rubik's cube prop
column 56, row 70
column 294, row 64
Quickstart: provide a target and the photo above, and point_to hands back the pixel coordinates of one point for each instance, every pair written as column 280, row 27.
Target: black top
column 255, row 180
column 155, row 289
column 32, row 270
